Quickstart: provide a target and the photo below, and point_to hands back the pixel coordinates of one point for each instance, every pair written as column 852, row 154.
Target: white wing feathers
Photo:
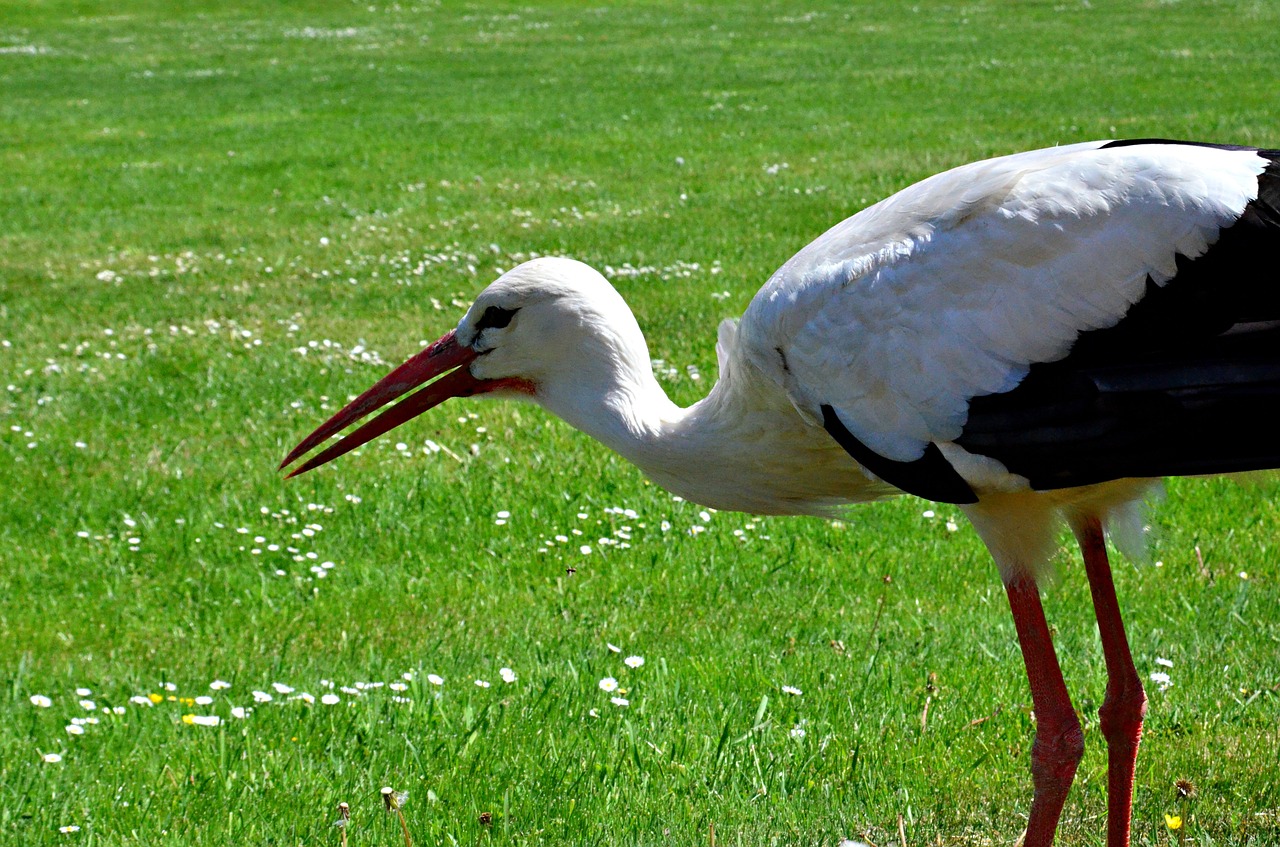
column 953, row 287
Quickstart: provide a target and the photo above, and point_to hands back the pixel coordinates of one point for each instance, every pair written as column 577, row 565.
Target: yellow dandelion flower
column 155, row 698
column 191, row 719
column 1173, row 821
column 187, row 701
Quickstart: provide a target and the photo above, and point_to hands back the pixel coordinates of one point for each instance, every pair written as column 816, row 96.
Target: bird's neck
column 731, row 450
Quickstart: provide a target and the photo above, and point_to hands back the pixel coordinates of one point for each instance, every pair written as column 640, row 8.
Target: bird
column 1038, row 338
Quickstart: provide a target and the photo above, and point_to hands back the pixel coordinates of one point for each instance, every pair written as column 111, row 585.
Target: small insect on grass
column 394, row 802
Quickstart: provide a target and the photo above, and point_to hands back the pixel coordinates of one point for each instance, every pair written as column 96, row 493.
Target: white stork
column 1036, row 338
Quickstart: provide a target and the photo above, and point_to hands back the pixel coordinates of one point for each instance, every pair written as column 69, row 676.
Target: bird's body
column 1036, row 338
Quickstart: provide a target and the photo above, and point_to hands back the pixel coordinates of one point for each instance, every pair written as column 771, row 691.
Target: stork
column 1036, row 338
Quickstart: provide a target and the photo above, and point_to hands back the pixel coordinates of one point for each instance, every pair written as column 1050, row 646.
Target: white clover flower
column 202, row 720
column 40, row 701
column 633, row 661
column 507, row 675
column 620, row 702
column 330, row 699
column 608, row 684
column 792, row 690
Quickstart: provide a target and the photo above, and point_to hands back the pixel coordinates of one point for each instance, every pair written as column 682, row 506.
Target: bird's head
column 542, row 330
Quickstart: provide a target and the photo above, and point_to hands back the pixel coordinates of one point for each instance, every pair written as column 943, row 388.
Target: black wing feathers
column 931, row 476
column 1188, row 382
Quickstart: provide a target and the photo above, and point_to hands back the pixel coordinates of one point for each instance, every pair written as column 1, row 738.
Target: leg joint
column 1122, row 713
column 1057, row 750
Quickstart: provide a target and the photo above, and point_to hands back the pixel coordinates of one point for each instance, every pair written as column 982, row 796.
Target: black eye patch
column 495, row 317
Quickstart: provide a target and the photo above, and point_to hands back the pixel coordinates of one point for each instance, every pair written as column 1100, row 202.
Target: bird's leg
column 1125, row 703
column 1059, row 744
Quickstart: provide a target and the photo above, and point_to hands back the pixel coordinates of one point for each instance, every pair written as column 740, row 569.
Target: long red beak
column 441, row 357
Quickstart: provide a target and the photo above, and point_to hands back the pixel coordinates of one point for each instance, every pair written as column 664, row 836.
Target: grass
column 195, row 195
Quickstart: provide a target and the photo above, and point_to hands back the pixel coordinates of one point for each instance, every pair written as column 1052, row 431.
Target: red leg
column 1059, row 744
column 1125, row 703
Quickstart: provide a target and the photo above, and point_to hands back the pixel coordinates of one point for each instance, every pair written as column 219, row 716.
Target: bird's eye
column 495, row 317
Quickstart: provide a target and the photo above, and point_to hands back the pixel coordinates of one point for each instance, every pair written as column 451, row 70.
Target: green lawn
column 219, row 220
